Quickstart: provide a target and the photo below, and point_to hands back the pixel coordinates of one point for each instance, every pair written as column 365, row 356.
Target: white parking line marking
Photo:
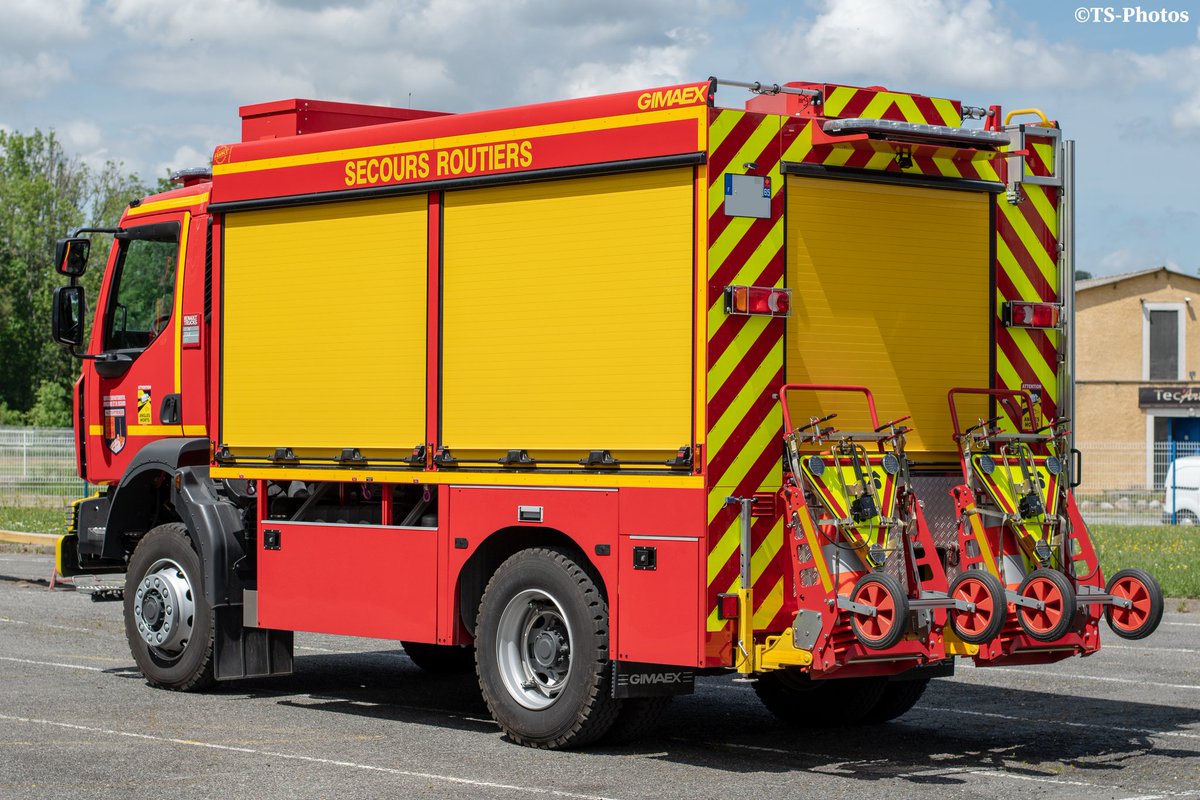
column 1067, row 723
column 310, row 759
column 50, row 664
column 1076, row 676
column 47, row 625
column 1148, row 649
column 1184, row 624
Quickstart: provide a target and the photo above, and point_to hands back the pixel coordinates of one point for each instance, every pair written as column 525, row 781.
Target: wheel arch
column 499, row 545
column 138, row 505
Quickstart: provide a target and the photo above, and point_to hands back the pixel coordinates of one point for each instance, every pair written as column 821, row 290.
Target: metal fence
column 1126, row 482
column 1122, row 482
column 37, row 467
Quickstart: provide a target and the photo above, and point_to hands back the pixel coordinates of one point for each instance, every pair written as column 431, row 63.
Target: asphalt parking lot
column 358, row 719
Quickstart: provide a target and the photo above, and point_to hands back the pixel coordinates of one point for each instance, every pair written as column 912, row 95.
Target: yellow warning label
column 145, row 414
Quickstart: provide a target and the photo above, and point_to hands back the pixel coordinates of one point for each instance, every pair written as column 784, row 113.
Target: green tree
column 52, row 408
column 44, row 195
column 42, row 191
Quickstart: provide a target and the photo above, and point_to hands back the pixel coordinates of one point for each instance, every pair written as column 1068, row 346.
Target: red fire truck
column 599, row 395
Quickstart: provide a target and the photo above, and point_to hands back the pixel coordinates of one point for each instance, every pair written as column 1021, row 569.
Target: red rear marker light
column 1019, row 314
column 727, row 606
column 760, row 300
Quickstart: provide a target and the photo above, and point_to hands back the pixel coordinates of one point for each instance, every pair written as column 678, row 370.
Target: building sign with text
column 1169, row 396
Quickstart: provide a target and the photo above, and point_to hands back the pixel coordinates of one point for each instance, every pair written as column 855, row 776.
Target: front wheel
column 542, row 651
column 1145, row 612
column 168, row 620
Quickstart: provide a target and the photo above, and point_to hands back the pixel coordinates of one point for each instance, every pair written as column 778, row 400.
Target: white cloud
column 80, row 135
column 185, row 157
column 32, row 57
column 454, row 55
column 38, row 22
column 30, row 75
column 923, row 42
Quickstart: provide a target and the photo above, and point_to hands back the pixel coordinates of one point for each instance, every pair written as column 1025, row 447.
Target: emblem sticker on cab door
column 115, row 430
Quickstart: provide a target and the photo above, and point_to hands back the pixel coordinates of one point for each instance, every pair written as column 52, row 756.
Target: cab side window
column 143, row 291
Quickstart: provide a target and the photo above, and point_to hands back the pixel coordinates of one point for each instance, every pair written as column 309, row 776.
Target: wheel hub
column 545, row 648
column 164, row 608
column 533, row 647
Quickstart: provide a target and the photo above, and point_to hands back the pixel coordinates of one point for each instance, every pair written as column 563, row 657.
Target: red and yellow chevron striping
column 744, row 366
column 1027, row 269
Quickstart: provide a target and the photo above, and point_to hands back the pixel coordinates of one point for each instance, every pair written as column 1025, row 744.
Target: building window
column 1163, row 355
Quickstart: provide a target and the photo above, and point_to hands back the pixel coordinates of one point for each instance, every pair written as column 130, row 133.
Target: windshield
column 143, row 290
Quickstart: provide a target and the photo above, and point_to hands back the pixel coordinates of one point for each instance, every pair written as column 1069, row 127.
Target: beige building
column 1137, row 362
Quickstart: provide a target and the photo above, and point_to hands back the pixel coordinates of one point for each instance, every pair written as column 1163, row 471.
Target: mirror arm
column 82, row 356
column 109, row 231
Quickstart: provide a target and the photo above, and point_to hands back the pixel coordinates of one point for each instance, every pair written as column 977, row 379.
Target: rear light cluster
column 760, row 300
column 1019, row 314
column 727, row 606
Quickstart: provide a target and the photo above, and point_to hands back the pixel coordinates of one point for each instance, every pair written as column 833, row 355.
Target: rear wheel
column 887, row 626
column 168, row 620
column 441, row 659
column 1142, row 590
column 984, row 591
column 801, row 702
column 897, row 699
column 542, row 651
column 1054, row 591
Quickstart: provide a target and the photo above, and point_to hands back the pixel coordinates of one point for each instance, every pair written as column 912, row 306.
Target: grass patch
column 1168, row 552
column 33, row 520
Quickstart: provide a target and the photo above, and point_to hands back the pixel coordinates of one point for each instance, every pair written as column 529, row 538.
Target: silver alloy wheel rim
column 165, row 608
column 533, row 648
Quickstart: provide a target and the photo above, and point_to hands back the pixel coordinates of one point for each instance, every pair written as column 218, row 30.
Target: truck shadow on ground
column 957, row 729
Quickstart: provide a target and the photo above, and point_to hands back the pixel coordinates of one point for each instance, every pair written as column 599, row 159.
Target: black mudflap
column 634, row 679
column 243, row 652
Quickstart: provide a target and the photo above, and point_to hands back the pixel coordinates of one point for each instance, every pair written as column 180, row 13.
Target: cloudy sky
column 156, row 84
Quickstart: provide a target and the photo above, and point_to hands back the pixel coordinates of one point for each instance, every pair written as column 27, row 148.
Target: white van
column 1181, row 489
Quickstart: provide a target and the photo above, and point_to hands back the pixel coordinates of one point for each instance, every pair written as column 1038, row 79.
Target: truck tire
column 801, row 702
column 897, row 699
column 441, row 659
column 168, row 620
column 542, row 651
column 638, row 716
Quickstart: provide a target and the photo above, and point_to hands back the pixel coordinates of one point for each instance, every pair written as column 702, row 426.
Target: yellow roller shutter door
column 567, row 315
column 324, row 328
column 891, row 289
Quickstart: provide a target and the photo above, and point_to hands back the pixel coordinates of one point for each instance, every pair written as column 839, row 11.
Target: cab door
column 133, row 387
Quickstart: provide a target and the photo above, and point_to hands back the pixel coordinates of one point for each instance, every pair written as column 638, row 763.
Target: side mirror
column 71, row 255
column 67, row 312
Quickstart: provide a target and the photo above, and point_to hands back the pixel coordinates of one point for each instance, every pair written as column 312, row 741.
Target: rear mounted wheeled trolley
column 871, row 591
column 1020, row 530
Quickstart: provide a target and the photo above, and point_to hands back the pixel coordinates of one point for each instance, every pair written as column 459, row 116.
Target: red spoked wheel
column 1054, row 591
column 883, row 593
column 1142, row 590
column 985, row 591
